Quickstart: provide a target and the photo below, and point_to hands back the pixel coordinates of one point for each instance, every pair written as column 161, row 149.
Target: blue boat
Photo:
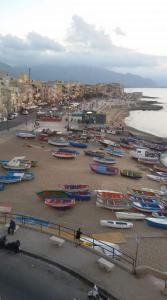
column 78, row 144
column 94, row 153
column 148, row 206
column 157, row 222
column 104, row 169
column 115, row 152
column 103, row 160
column 66, row 150
column 9, row 179
column 23, row 175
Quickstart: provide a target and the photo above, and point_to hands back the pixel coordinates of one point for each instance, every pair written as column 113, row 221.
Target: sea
column 154, row 122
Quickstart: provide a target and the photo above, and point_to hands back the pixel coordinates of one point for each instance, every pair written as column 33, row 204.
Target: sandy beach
column 51, row 172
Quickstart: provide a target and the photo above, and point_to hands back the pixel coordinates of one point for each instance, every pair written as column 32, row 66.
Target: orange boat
column 60, row 202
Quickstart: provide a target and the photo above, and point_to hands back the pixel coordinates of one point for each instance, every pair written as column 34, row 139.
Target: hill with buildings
column 84, row 74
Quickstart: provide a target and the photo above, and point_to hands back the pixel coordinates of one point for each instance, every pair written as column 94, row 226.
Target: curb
column 68, row 270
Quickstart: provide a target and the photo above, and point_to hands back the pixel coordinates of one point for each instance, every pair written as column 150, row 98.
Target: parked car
column 10, row 117
column 25, row 112
column 15, row 114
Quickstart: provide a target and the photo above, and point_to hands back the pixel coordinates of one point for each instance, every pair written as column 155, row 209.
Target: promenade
column 82, row 262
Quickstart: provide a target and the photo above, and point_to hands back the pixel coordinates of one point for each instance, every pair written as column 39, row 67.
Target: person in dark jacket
column 12, row 227
column 78, row 236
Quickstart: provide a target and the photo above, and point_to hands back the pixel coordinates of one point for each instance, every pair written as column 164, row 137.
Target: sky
column 127, row 36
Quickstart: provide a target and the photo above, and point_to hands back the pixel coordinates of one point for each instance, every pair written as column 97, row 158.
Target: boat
column 129, row 215
column 94, row 153
column 5, row 208
column 162, row 174
column 60, row 202
column 25, row 135
column 157, row 178
column 116, row 224
column 9, row 179
column 147, row 206
column 144, row 153
column 51, row 194
column 144, row 192
column 161, row 192
column 159, row 168
column 63, row 154
column 58, row 142
column 131, row 174
column 104, row 160
column 127, row 146
column 78, row 144
column 107, row 143
column 75, row 187
column 115, row 152
column 103, row 169
column 80, row 196
column 24, row 175
column 17, row 163
column 146, row 161
column 103, row 247
column 159, row 214
column 68, row 150
column 112, row 200
column 157, row 222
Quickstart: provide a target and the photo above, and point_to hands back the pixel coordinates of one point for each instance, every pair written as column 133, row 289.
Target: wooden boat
column 161, row 192
column 159, row 215
column 78, row 144
column 51, row 194
column 103, row 169
column 147, row 192
column 157, row 178
column 112, row 200
column 17, row 163
column 107, row 143
column 115, row 152
column 129, row 216
column 80, row 196
column 75, row 187
column 159, row 168
column 94, row 153
column 68, row 150
column 131, row 174
column 25, row 135
column 144, row 153
column 60, row 202
column 107, row 161
column 146, row 161
column 10, row 179
column 127, row 146
column 24, row 175
column 157, row 222
column 116, row 224
column 58, row 142
column 147, row 206
column 63, row 155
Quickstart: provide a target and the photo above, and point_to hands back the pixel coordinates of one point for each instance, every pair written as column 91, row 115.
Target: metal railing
column 70, row 233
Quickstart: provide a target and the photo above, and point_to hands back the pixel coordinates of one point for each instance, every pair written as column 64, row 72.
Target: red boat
column 42, row 137
column 50, row 119
column 60, row 202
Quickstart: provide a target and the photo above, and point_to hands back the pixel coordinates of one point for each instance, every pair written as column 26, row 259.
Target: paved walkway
column 120, row 283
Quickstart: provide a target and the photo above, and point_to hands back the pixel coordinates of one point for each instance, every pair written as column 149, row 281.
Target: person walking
column 78, row 236
column 12, row 227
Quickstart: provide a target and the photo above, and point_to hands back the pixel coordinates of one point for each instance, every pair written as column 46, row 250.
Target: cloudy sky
column 121, row 35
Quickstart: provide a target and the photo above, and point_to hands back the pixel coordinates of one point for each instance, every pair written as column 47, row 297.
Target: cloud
column 84, row 34
column 119, row 31
column 84, row 44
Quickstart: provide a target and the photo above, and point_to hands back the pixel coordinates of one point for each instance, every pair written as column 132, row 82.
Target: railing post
column 41, row 227
column 59, row 230
column 93, row 243
column 74, row 235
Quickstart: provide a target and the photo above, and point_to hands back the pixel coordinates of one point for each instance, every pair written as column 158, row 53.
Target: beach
column 52, row 172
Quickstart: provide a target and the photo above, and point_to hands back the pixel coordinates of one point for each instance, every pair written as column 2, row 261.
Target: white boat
column 129, row 216
column 161, row 192
column 157, row 222
column 116, row 224
column 105, row 142
column 145, row 154
column 26, row 135
column 17, row 163
column 157, row 178
column 58, row 142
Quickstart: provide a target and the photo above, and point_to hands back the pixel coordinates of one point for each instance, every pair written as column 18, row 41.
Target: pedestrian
column 12, row 227
column 78, row 236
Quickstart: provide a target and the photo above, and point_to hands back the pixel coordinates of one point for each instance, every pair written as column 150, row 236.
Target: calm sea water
column 154, row 122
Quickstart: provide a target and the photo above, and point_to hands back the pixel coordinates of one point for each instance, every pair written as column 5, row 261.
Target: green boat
column 131, row 174
column 50, row 194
